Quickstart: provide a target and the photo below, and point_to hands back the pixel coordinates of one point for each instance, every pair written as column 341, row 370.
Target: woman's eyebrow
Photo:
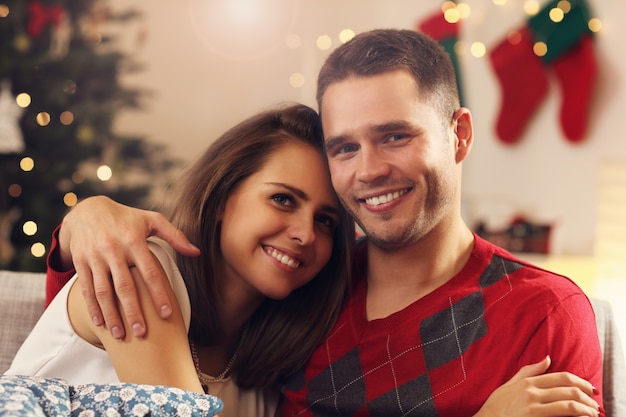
column 301, row 194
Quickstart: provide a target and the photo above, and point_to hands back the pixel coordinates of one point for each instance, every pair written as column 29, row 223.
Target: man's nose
column 370, row 165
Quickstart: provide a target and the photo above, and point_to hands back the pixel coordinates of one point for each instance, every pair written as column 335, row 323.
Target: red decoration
column 524, row 76
column 40, row 16
column 524, row 84
column 576, row 73
column 438, row 28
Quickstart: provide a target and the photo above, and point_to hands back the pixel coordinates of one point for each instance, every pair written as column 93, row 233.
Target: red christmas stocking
column 571, row 57
column 576, row 73
column 524, row 84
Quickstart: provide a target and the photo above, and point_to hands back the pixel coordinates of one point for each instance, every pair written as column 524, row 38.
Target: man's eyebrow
column 334, row 141
column 301, row 194
column 391, row 126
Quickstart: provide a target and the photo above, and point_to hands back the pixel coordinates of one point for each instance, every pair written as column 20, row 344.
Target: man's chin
column 388, row 238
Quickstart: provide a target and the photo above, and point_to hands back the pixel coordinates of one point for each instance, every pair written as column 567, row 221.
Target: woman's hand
column 103, row 239
column 532, row 393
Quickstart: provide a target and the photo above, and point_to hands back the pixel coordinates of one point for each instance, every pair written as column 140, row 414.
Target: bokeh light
column 345, row 35
column 531, row 7
column 324, row 42
column 556, row 15
column 540, row 48
column 478, row 49
column 43, row 118
column 29, row 228
column 70, row 199
column 27, row 164
column 38, row 250
column 104, row 172
column 595, row 25
column 15, row 190
column 296, row 79
column 67, row 117
column 23, row 100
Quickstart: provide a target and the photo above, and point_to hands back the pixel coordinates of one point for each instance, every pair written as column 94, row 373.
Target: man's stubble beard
column 425, row 218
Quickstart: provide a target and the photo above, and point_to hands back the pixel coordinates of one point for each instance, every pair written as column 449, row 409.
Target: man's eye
column 346, row 149
column 283, row 199
column 395, row 138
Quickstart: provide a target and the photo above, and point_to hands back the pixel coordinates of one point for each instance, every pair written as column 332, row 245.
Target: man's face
column 392, row 158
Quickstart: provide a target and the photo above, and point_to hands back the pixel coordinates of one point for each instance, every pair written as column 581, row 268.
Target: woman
column 275, row 246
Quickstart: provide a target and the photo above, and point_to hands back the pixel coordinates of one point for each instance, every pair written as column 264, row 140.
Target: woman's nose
column 302, row 231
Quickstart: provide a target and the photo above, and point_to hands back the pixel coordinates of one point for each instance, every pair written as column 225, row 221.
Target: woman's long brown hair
column 282, row 333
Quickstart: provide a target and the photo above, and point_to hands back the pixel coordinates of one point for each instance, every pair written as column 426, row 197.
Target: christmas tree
column 59, row 95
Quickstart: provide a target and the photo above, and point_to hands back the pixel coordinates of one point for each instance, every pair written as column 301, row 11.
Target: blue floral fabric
column 35, row 396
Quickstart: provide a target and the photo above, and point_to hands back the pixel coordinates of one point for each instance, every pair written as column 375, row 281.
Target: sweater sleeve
column 569, row 335
column 55, row 277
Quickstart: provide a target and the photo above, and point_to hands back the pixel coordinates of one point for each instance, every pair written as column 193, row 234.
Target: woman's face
column 278, row 225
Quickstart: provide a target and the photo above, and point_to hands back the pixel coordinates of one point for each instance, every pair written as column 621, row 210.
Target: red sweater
column 447, row 352
column 55, row 278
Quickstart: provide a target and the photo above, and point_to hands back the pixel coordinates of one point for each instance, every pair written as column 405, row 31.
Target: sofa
column 22, row 300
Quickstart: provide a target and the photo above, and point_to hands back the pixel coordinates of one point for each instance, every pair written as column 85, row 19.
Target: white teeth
column 384, row 198
column 282, row 258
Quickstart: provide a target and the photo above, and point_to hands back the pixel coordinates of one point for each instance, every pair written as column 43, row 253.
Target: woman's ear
column 463, row 133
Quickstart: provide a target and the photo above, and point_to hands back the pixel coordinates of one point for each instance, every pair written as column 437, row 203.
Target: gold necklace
column 206, row 379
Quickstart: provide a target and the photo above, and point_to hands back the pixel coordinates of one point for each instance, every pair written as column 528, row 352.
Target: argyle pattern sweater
column 446, row 353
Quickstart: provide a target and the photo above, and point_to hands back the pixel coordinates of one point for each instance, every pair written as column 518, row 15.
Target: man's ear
column 463, row 133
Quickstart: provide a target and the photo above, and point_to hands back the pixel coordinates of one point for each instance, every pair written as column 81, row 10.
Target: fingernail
column 138, row 329
column 595, row 390
column 166, row 311
column 97, row 321
column 116, row 332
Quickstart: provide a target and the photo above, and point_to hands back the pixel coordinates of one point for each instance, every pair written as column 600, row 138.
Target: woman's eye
column 283, row 199
column 327, row 221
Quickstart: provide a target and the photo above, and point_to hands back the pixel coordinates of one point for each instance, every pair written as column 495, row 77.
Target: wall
column 204, row 83
column 207, row 74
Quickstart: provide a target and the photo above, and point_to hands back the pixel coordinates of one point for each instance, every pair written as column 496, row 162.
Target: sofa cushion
column 22, row 300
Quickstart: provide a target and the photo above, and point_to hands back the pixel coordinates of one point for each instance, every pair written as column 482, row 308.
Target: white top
column 53, row 350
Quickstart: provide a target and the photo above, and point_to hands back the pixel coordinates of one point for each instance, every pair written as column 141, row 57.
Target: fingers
column 563, row 379
column 99, row 293
column 104, row 239
column 531, row 392
column 156, row 283
column 566, row 401
column 162, row 228
column 534, row 369
column 127, row 297
column 87, row 290
column 115, row 287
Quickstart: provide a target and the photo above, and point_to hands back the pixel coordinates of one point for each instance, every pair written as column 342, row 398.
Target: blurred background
column 117, row 96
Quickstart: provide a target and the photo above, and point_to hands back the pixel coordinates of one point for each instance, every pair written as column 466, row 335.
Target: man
column 438, row 318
